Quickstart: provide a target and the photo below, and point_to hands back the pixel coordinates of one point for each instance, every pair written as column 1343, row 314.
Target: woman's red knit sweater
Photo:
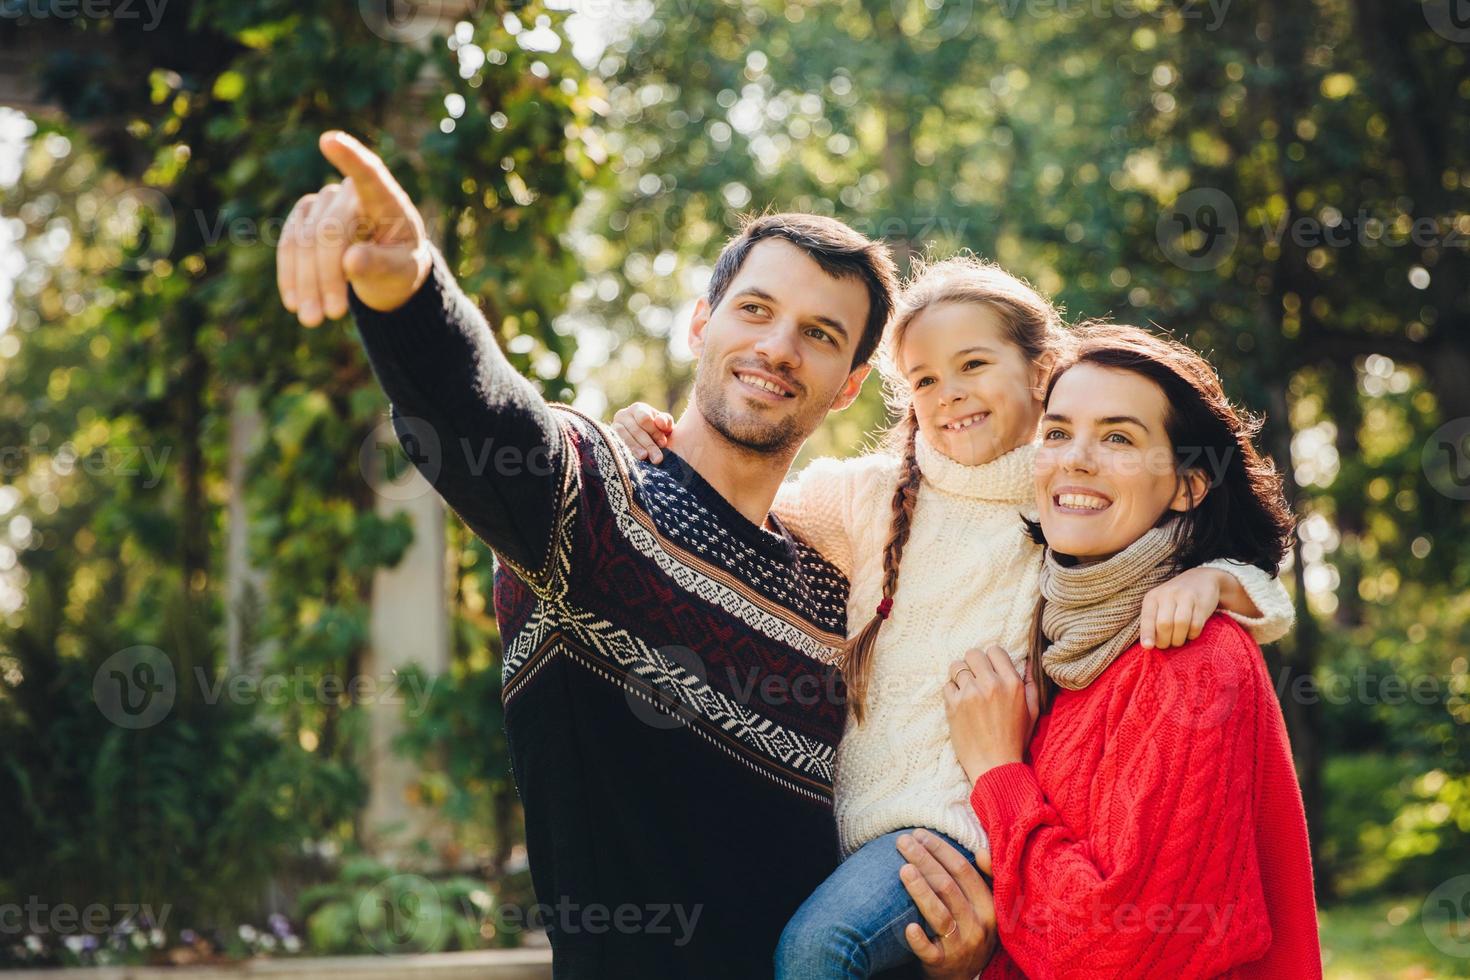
column 1157, row 830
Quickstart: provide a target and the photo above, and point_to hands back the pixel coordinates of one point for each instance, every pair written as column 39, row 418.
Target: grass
column 1389, row 939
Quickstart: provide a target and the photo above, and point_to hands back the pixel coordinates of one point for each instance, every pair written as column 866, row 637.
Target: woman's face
column 1105, row 473
column 976, row 396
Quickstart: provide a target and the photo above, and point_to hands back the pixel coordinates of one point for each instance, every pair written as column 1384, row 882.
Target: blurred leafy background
column 1284, row 186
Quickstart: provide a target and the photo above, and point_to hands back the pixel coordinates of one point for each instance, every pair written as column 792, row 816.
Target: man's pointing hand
column 364, row 231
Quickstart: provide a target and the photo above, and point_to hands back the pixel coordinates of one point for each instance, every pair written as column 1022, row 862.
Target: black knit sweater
column 670, row 700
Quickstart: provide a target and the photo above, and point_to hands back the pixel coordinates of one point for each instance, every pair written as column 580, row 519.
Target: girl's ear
column 1193, row 486
column 1040, row 372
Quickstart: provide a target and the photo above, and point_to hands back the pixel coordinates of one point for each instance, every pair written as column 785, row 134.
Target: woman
column 1155, row 827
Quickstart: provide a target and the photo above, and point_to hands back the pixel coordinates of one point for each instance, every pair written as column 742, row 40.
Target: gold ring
column 951, row 932
column 962, row 670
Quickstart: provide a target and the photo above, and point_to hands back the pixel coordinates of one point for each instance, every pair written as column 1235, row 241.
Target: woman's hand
column 956, row 903
column 644, row 429
column 991, row 709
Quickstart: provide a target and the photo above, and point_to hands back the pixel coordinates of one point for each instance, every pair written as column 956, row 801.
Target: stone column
column 409, row 625
column 245, row 585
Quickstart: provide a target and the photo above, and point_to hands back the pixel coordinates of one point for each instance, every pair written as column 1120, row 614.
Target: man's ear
column 852, row 387
column 697, row 323
column 1193, row 486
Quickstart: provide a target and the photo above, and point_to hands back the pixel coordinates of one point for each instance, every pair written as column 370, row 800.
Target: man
column 671, row 695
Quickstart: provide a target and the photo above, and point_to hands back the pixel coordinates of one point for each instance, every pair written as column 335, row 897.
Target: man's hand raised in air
column 364, row 231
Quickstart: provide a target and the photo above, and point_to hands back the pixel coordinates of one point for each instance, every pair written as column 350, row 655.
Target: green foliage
column 466, row 736
column 187, row 815
column 147, row 214
column 1390, row 937
column 372, row 909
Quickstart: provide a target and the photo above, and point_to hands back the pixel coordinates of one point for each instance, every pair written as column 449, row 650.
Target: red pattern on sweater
column 1158, row 828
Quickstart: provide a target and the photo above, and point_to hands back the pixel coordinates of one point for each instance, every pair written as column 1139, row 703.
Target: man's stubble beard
column 783, row 436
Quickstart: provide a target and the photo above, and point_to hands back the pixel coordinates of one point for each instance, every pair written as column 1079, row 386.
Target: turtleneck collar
column 1009, row 478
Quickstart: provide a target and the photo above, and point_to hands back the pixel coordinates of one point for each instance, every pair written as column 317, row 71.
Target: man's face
column 775, row 355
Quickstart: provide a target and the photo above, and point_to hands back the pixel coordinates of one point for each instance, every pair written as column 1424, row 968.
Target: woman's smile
column 1079, row 500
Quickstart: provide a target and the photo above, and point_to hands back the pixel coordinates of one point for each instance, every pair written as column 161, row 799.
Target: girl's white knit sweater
column 968, row 577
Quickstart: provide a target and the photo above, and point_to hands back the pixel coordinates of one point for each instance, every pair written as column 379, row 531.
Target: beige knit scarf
column 1091, row 612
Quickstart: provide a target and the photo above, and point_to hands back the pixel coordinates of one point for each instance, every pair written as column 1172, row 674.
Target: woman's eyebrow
column 1123, row 420
column 1109, row 420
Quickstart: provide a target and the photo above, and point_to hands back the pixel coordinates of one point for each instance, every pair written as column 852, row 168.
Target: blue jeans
column 852, row 925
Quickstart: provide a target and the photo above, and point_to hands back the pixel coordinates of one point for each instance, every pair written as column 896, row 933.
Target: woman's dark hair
column 1244, row 515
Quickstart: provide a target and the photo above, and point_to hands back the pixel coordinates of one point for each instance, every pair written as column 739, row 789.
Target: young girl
column 964, row 365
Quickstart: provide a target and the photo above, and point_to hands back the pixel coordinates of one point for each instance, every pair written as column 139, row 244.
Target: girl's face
column 1105, row 472
column 975, row 394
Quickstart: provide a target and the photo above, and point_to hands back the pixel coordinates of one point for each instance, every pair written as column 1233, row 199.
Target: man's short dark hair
column 839, row 250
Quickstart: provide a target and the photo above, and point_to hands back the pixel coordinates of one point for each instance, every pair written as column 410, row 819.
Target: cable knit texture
column 969, row 578
column 1157, row 829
